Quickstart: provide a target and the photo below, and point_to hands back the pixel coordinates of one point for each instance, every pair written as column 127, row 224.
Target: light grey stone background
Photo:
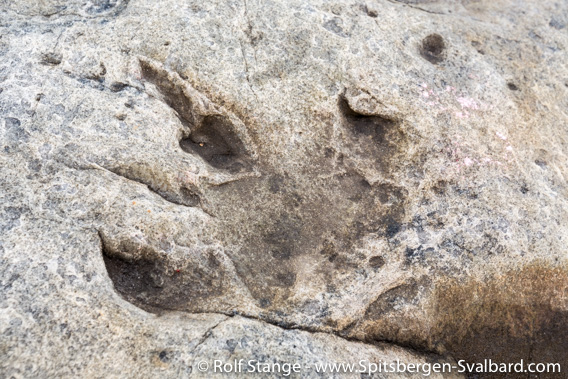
column 286, row 181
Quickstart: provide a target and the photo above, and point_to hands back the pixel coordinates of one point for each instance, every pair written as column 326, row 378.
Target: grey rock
column 282, row 181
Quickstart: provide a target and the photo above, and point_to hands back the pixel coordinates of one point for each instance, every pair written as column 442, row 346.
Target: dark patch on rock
column 14, row 130
column 388, row 193
column 329, row 251
column 106, row 7
column 468, row 192
column 374, row 127
column 412, row 254
column 231, row 344
column 557, row 23
column 189, row 198
column 154, row 283
column 98, row 6
column 540, row 163
column 433, row 48
column 117, row 86
column 440, row 187
column 275, row 183
column 217, row 144
column 403, row 294
column 477, row 46
column 376, row 262
column 369, row 12
column 286, row 279
column 378, row 138
column 98, row 73
column 392, row 227
column 11, row 218
column 163, row 356
column 51, row 59
column 335, row 26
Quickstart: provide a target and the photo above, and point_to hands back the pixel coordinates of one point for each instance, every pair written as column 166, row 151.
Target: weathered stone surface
column 175, row 175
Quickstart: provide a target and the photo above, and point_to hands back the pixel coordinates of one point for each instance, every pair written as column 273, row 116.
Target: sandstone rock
column 314, row 181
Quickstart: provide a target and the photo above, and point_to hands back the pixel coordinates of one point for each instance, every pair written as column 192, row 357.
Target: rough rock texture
column 388, row 177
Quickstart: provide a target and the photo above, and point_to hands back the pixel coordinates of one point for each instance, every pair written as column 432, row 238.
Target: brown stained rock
column 516, row 315
column 485, row 319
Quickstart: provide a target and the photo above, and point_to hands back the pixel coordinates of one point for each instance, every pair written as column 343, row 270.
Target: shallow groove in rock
column 211, row 136
column 191, row 199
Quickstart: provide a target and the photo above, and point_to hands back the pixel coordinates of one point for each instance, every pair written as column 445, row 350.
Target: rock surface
column 286, row 181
